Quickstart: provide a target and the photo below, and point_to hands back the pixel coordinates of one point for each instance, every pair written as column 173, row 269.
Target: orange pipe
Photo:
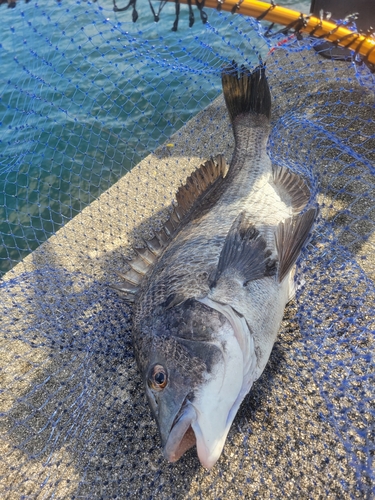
column 340, row 35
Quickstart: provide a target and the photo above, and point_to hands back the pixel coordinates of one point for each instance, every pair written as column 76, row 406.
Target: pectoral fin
column 244, row 254
column 291, row 235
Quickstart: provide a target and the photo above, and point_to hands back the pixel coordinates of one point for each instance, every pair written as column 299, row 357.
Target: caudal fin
column 246, row 92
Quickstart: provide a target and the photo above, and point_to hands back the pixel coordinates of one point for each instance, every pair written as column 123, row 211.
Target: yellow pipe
column 340, row 35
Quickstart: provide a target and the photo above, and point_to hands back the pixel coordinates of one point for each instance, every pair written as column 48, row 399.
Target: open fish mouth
column 187, row 431
column 181, row 437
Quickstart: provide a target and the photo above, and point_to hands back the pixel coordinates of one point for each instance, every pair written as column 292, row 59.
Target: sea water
column 85, row 94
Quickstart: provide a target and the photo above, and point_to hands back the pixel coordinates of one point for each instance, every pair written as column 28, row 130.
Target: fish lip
column 181, row 436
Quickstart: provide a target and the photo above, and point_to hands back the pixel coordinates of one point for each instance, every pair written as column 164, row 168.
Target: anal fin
column 291, row 187
column 291, row 235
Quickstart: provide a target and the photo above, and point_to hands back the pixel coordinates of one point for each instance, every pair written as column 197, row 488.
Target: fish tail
column 246, row 91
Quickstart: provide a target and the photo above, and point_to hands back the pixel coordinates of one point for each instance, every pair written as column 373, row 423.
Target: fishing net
column 101, row 120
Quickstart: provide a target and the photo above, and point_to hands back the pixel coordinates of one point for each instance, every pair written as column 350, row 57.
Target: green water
column 86, row 94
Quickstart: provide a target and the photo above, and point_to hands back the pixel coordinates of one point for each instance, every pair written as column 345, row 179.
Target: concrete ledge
column 72, row 400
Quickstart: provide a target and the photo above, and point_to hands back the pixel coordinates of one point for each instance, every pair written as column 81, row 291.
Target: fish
column 209, row 289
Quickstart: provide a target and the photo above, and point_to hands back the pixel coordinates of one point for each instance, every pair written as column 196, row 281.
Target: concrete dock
column 75, row 421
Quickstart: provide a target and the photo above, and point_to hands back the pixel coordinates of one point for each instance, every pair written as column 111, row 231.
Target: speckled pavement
column 92, row 436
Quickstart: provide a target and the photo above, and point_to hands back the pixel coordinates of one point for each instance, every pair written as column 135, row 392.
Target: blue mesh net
column 101, row 120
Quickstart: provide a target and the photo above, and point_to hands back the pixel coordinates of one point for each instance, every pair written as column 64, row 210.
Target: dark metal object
column 362, row 12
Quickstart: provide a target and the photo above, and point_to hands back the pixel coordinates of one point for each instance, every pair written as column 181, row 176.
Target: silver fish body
column 210, row 289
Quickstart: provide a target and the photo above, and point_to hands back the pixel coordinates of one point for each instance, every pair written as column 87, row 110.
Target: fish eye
column 158, row 378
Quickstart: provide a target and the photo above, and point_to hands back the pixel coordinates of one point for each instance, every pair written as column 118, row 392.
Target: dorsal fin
column 201, row 182
column 192, row 196
column 292, row 187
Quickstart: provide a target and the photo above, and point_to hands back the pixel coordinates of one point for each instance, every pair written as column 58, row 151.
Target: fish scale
column 252, row 191
column 210, row 288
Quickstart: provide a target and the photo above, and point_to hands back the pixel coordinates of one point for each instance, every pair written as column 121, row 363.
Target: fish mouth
column 186, row 432
column 181, row 436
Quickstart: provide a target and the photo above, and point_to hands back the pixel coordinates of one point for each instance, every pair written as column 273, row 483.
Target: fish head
column 193, row 370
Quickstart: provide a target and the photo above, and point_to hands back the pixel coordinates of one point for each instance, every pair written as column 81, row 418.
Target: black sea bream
column 209, row 290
